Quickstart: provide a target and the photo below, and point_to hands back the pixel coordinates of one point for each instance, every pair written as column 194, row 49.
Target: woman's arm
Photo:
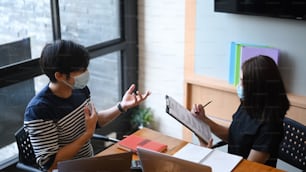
column 217, row 129
column 258, row 156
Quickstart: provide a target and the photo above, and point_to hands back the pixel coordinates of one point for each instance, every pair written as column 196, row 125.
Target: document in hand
column 185, row 117
column 219, row 161
column 131, row 142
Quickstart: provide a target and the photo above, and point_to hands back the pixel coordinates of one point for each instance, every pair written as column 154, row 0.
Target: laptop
column 110, row 163
column 152, row 161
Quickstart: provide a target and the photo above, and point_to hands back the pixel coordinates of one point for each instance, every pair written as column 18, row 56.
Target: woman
column 256, row 129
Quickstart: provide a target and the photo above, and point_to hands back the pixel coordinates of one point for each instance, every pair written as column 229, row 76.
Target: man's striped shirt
column 54, row 122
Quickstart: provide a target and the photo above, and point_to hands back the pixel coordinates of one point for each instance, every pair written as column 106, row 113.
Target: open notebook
column 110, row 163
column 153, row 161
column 185, row 117
column 219, row 161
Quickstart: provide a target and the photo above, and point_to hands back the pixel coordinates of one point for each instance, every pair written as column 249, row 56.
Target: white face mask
column 80, row 81
column 240, row 91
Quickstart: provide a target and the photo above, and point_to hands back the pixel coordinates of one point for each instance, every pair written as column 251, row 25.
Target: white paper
column 219, row 161
column 184, row 116
column 192, row 153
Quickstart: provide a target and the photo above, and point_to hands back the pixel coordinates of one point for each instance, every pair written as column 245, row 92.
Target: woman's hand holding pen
column 199, row 111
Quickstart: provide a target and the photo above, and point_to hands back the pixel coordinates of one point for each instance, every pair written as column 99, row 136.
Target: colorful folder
column 240, row 52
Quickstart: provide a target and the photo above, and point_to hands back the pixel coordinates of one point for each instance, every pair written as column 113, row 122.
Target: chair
column 27, row 160
column 292, row 149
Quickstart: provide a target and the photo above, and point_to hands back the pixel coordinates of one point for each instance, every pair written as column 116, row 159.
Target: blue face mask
column 80, row 81
column 240, row 91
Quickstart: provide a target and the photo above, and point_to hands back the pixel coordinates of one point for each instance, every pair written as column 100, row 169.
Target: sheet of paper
column 184, row 116
column 221, row 161
column 192, row 152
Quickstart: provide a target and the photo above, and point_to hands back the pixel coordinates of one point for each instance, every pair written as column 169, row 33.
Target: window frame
column 126, row 44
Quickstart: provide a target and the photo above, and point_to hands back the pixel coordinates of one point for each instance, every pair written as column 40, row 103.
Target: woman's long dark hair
column 264, row 92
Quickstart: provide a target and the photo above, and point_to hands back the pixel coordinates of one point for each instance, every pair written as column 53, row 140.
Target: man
column 60, row 119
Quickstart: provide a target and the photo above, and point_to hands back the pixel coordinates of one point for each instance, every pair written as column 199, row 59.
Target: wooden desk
column 175, row 144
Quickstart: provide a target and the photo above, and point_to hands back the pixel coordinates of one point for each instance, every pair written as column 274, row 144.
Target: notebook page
column 192, row 152
column 221, row 161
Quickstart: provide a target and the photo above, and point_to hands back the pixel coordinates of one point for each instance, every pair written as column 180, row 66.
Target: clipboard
column 185, row 117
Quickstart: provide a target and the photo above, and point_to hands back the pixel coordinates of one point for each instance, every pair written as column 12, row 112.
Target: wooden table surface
column 175, row 144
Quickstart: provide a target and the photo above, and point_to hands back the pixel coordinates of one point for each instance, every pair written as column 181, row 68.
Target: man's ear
column 59, row 76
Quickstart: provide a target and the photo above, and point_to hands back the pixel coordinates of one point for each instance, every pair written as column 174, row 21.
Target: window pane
column 90, row 21
column 104, row 80
column 26, row 19
column 40, row 82
column 13, row 100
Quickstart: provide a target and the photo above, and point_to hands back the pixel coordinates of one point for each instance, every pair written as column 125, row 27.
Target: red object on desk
column 131, row 142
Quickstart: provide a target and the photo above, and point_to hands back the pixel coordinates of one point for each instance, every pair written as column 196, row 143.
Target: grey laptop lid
column 110, row 163
column 153, row 161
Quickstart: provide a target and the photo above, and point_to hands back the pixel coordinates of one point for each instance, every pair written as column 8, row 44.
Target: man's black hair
column 63, row 56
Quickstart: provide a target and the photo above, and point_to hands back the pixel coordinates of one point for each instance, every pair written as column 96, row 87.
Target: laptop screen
column 110, row 163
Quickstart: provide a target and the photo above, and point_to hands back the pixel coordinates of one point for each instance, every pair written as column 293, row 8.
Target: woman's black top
column 246, row 133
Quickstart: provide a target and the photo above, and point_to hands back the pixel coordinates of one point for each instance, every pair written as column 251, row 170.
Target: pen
column 207, row 104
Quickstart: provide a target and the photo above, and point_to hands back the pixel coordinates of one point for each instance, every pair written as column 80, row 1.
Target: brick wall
column 161, row 57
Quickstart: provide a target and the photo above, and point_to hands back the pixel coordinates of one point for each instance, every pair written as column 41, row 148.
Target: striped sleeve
column 44, row 139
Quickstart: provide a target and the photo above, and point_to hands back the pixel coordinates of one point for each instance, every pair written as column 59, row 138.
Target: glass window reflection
column 104, row 80
column 90, row 21
column 26, row 19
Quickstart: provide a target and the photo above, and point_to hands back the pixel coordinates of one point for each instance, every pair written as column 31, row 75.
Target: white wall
column 161, row 57
column 161, row 49
column 215, row 31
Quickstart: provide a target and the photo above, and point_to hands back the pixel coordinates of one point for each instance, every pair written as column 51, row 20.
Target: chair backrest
column 293, row 146
column 27, row 160
column 26, row 152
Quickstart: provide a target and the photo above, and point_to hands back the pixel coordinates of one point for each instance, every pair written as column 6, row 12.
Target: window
column 26, row 19
column 90, row 21
column 107, row 28
column 105, row 92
